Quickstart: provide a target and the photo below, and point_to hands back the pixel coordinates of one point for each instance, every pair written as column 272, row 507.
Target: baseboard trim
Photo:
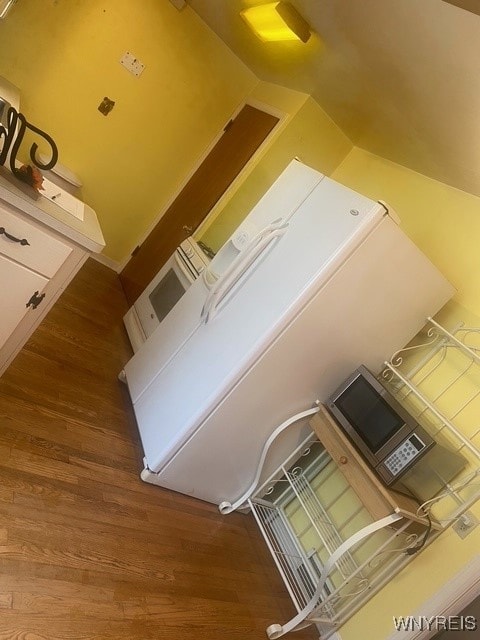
column 108, row 262
column 450, row 600
column 334, row 636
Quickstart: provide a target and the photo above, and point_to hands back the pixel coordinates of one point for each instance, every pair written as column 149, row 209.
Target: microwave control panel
column 404, row 454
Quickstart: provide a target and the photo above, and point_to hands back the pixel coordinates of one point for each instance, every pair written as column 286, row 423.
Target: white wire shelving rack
column 329, row 551
column 304, row 530
column 438, row 380
column 333, row 557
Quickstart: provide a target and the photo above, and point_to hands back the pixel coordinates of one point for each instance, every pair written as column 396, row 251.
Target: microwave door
column 360, row 408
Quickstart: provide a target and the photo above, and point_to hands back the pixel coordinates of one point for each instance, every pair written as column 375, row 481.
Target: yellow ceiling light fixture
column 276, row 21
column 5, row 6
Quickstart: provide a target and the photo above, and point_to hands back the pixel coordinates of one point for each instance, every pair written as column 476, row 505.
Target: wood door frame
column 283, row 118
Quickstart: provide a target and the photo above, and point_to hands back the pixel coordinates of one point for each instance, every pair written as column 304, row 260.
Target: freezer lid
column 286, row 194
column 393, row 287
column 322, row 235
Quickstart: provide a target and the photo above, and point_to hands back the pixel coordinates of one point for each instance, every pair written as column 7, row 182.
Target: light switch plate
column 132, row 63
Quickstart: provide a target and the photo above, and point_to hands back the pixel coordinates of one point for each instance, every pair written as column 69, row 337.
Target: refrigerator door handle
column 235, row 269
column 212, row 281
column 231, row 270
column 224, row 285
column 233, row 266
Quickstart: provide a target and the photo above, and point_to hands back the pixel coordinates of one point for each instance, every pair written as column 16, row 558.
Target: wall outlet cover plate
column 465, row 525
column 132, row 63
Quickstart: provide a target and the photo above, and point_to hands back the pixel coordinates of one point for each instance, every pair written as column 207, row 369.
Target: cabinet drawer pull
column 35, row 300
column 22, row 241
column 343, row 459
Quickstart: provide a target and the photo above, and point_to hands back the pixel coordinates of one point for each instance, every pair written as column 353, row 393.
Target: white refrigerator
column 316, row 281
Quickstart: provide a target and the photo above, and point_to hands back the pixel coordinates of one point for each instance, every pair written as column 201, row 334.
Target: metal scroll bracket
column 301, row 620
column 227, row 507
column 13, row 135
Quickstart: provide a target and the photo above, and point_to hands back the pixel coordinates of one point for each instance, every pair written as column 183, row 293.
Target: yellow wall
column 287, row 101
column 64, row 56
column 445, row 223
column 312, row 136
column 405, row 595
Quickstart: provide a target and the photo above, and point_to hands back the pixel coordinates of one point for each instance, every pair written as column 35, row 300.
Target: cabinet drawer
column 17, row 285
column 43, row 253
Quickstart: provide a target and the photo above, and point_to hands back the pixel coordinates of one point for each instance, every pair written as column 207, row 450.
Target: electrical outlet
column 465, row 524
column 132, row 64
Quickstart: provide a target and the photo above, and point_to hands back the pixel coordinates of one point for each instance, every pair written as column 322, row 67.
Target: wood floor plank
column 87, row 550
column 37, row 421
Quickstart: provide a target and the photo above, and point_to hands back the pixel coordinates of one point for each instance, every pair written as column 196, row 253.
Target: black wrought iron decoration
column 13, row 139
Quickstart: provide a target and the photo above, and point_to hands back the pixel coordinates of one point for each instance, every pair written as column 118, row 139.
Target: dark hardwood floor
column 87, row 550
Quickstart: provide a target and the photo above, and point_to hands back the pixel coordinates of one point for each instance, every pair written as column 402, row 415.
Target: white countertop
column 86, row 233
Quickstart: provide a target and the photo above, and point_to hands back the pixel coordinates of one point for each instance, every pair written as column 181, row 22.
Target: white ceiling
column 400, row 77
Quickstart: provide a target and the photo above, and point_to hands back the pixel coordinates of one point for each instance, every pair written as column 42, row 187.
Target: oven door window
column 166, row 294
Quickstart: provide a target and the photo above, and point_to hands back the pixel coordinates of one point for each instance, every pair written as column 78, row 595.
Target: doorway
column 241, row 138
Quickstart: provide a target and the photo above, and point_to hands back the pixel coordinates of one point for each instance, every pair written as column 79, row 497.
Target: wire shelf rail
column 332, row 555
column 297, row 511
column 438, row 381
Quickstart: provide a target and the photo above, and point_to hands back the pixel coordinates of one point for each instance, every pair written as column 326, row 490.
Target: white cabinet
column 36, row 248
column 40, row 252
column 17, row 284
column 29, row 258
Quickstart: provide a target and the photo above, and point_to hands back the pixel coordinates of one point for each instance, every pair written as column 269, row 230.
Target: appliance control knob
column 343, row 459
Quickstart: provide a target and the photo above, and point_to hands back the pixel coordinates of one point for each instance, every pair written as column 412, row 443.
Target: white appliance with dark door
column 317, row 280
column 164, row 291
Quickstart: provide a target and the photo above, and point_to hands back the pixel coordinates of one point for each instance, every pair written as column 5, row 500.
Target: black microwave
column 389, row 438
